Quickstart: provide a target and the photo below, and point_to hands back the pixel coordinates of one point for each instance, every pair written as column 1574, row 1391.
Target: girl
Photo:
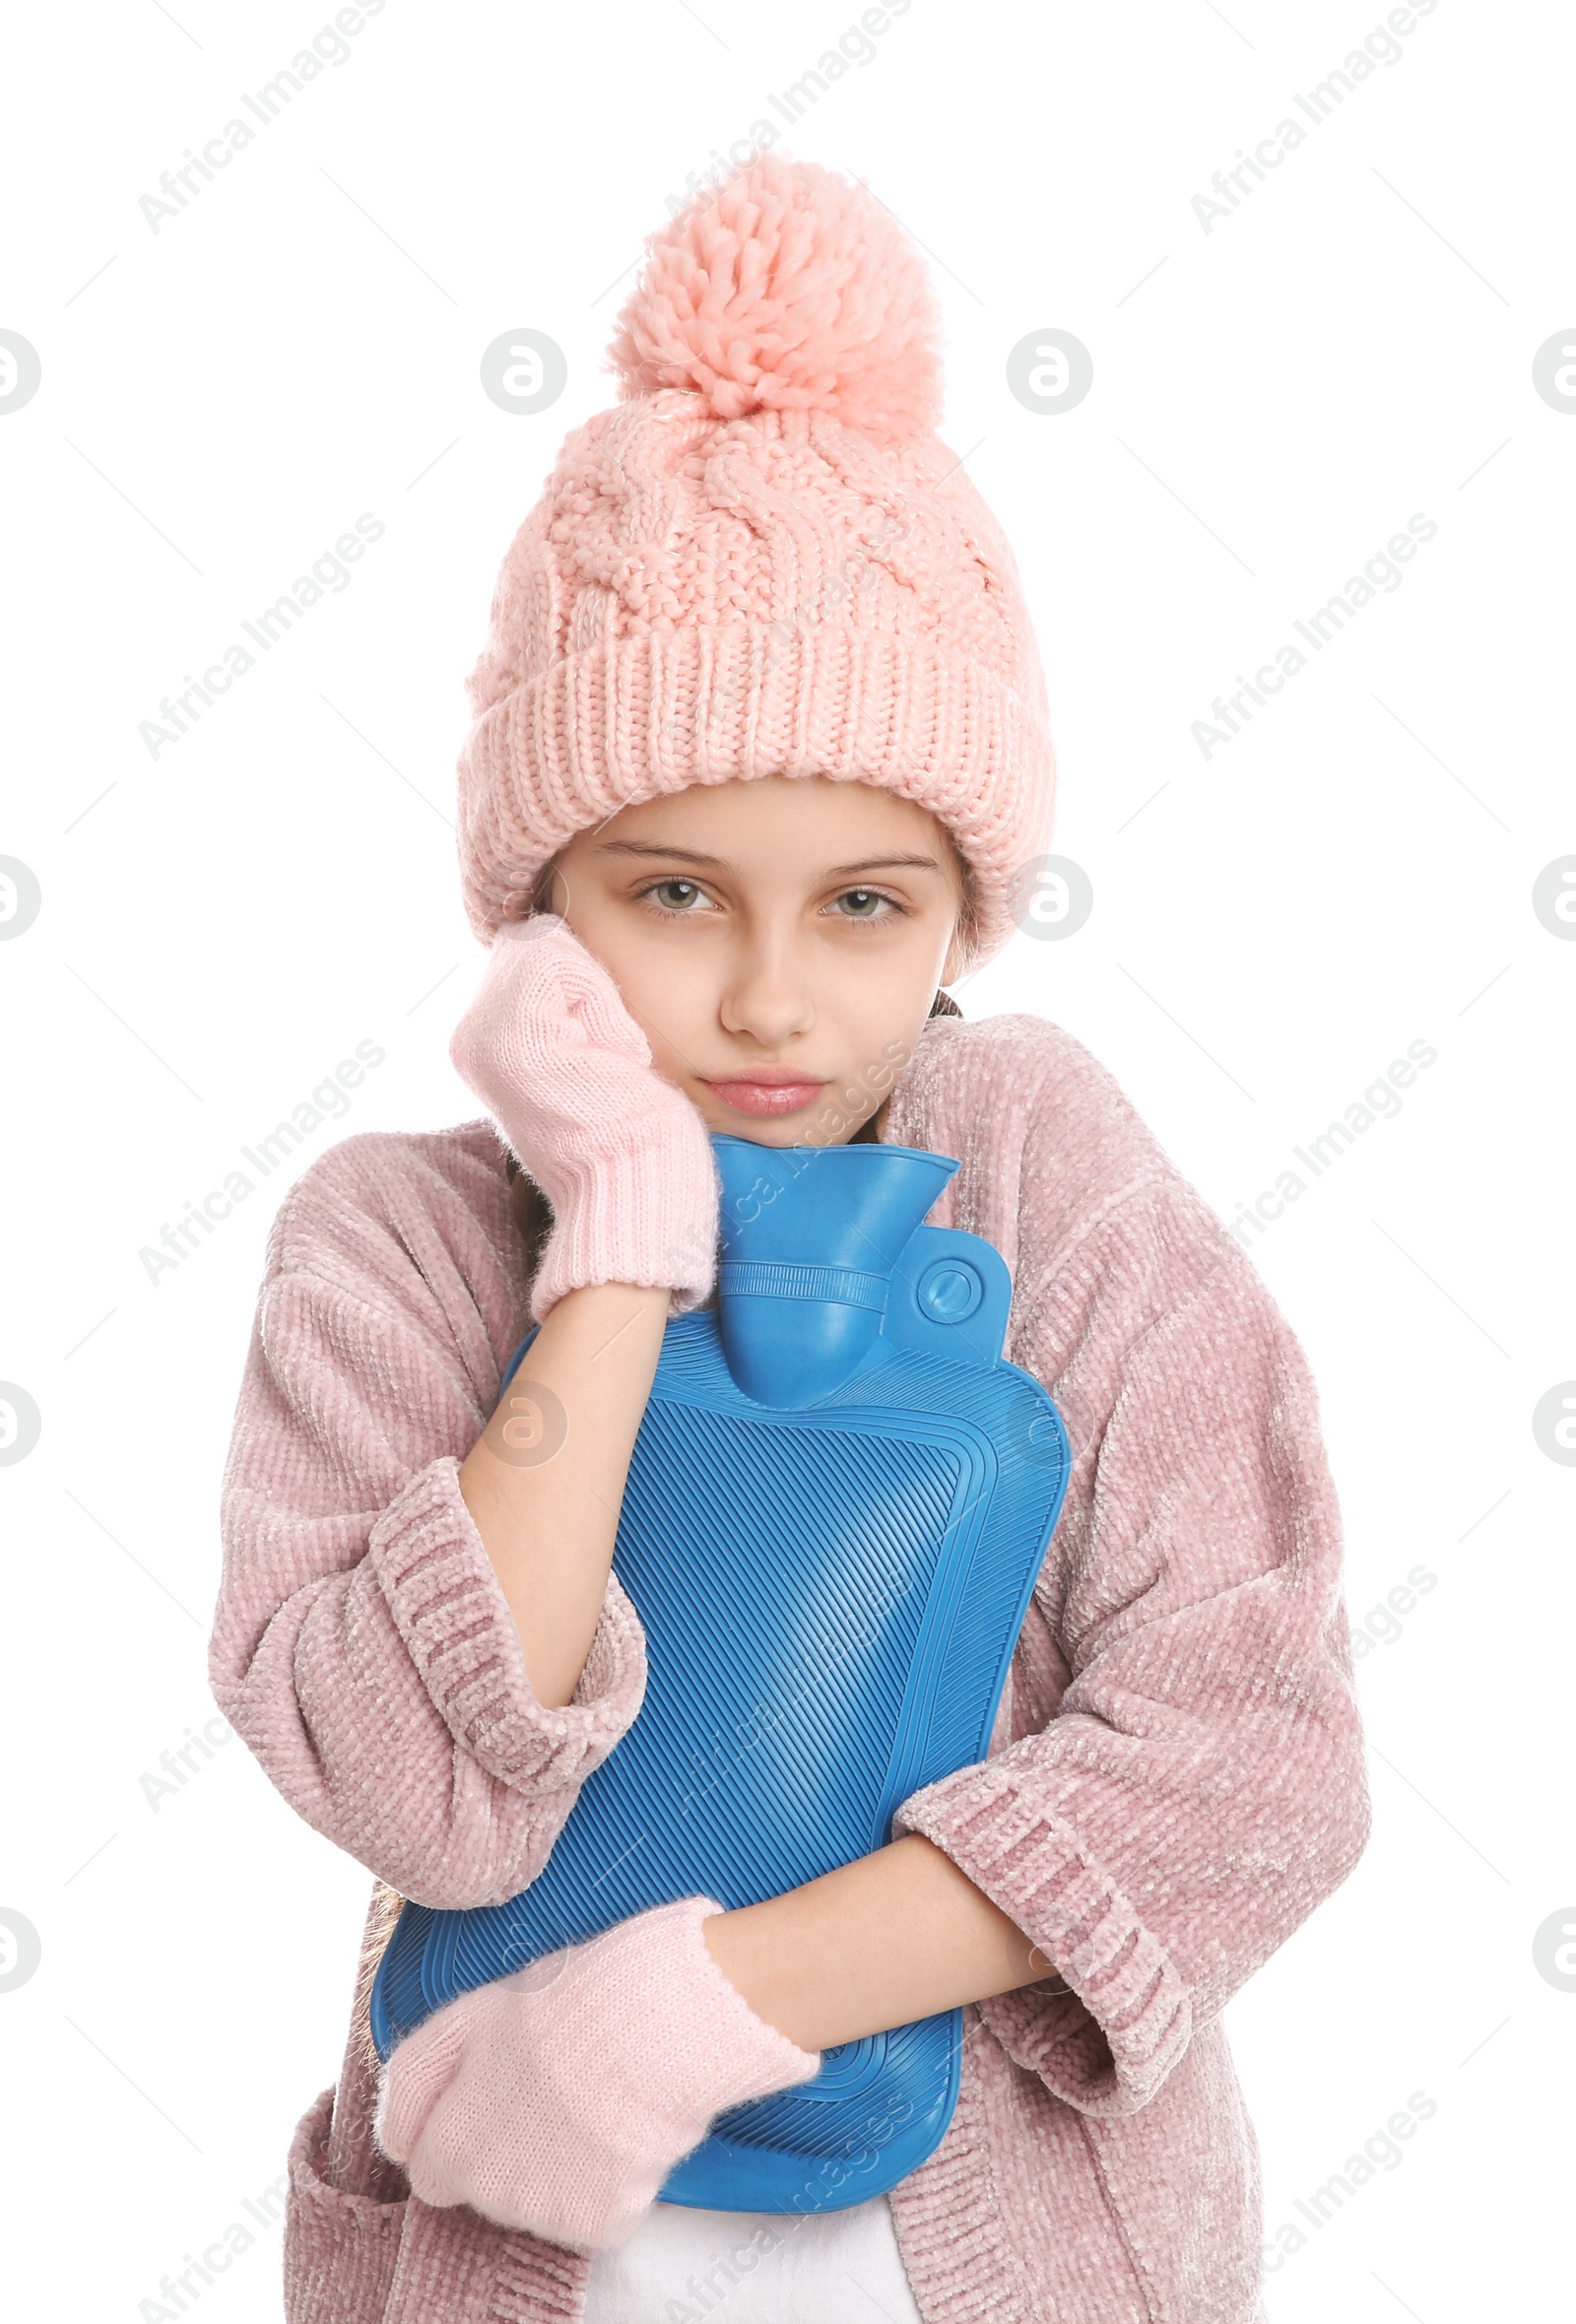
column 759, row 762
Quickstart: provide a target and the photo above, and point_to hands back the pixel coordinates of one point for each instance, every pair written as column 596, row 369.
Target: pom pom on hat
column 788, row 289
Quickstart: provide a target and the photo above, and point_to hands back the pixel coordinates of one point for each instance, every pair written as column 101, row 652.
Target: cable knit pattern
column 762, row 561
column 1179, row 1783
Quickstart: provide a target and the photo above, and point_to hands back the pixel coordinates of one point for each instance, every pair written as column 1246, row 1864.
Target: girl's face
column 778, row 941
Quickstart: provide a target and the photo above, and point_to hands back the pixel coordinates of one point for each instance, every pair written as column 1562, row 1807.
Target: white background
column 1271, row 401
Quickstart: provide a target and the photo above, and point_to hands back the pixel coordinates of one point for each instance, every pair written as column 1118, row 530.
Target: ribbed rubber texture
column 847, row 1287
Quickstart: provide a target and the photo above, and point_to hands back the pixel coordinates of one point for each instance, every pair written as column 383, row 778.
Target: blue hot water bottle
column 839, row 1500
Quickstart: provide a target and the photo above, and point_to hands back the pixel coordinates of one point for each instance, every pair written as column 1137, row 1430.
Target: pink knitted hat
column 761, row 561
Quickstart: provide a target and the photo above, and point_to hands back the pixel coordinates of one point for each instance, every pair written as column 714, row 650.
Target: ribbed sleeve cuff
column 451, row 1613
column 340, row 2249
column 1107, row 2044
column 713, row 2051
column 694, row 2046
column 645, row 1215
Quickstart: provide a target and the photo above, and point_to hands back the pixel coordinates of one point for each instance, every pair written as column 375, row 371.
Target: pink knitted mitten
column 557, row 1060
column 559, row 2098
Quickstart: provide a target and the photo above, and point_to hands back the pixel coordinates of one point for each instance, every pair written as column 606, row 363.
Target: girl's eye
column 677, row 895
column 864, row 903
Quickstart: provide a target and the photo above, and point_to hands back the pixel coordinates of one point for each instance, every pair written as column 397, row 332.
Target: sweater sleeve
column 362, row 1646
column 1200, row 1787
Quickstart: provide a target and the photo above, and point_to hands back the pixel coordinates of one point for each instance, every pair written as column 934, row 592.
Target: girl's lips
column 767, row 1098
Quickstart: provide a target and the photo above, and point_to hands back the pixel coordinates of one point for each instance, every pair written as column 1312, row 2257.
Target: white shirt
column 755, row 2267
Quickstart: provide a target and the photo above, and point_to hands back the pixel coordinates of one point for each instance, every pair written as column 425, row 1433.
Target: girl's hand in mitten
column 557, row 1060
column 559, row 2099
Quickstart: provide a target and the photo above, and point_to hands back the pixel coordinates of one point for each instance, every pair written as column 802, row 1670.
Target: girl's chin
column 762, row 1129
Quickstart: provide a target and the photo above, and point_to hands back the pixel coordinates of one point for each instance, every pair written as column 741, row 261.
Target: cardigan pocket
column 340, row 2249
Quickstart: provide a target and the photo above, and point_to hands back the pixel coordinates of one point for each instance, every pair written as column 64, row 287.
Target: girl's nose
column 765, row 998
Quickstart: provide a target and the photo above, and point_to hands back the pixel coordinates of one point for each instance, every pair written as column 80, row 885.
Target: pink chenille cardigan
column 1179, row 1780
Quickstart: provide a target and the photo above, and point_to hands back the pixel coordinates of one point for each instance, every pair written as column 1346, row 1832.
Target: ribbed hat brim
column 639, row 717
